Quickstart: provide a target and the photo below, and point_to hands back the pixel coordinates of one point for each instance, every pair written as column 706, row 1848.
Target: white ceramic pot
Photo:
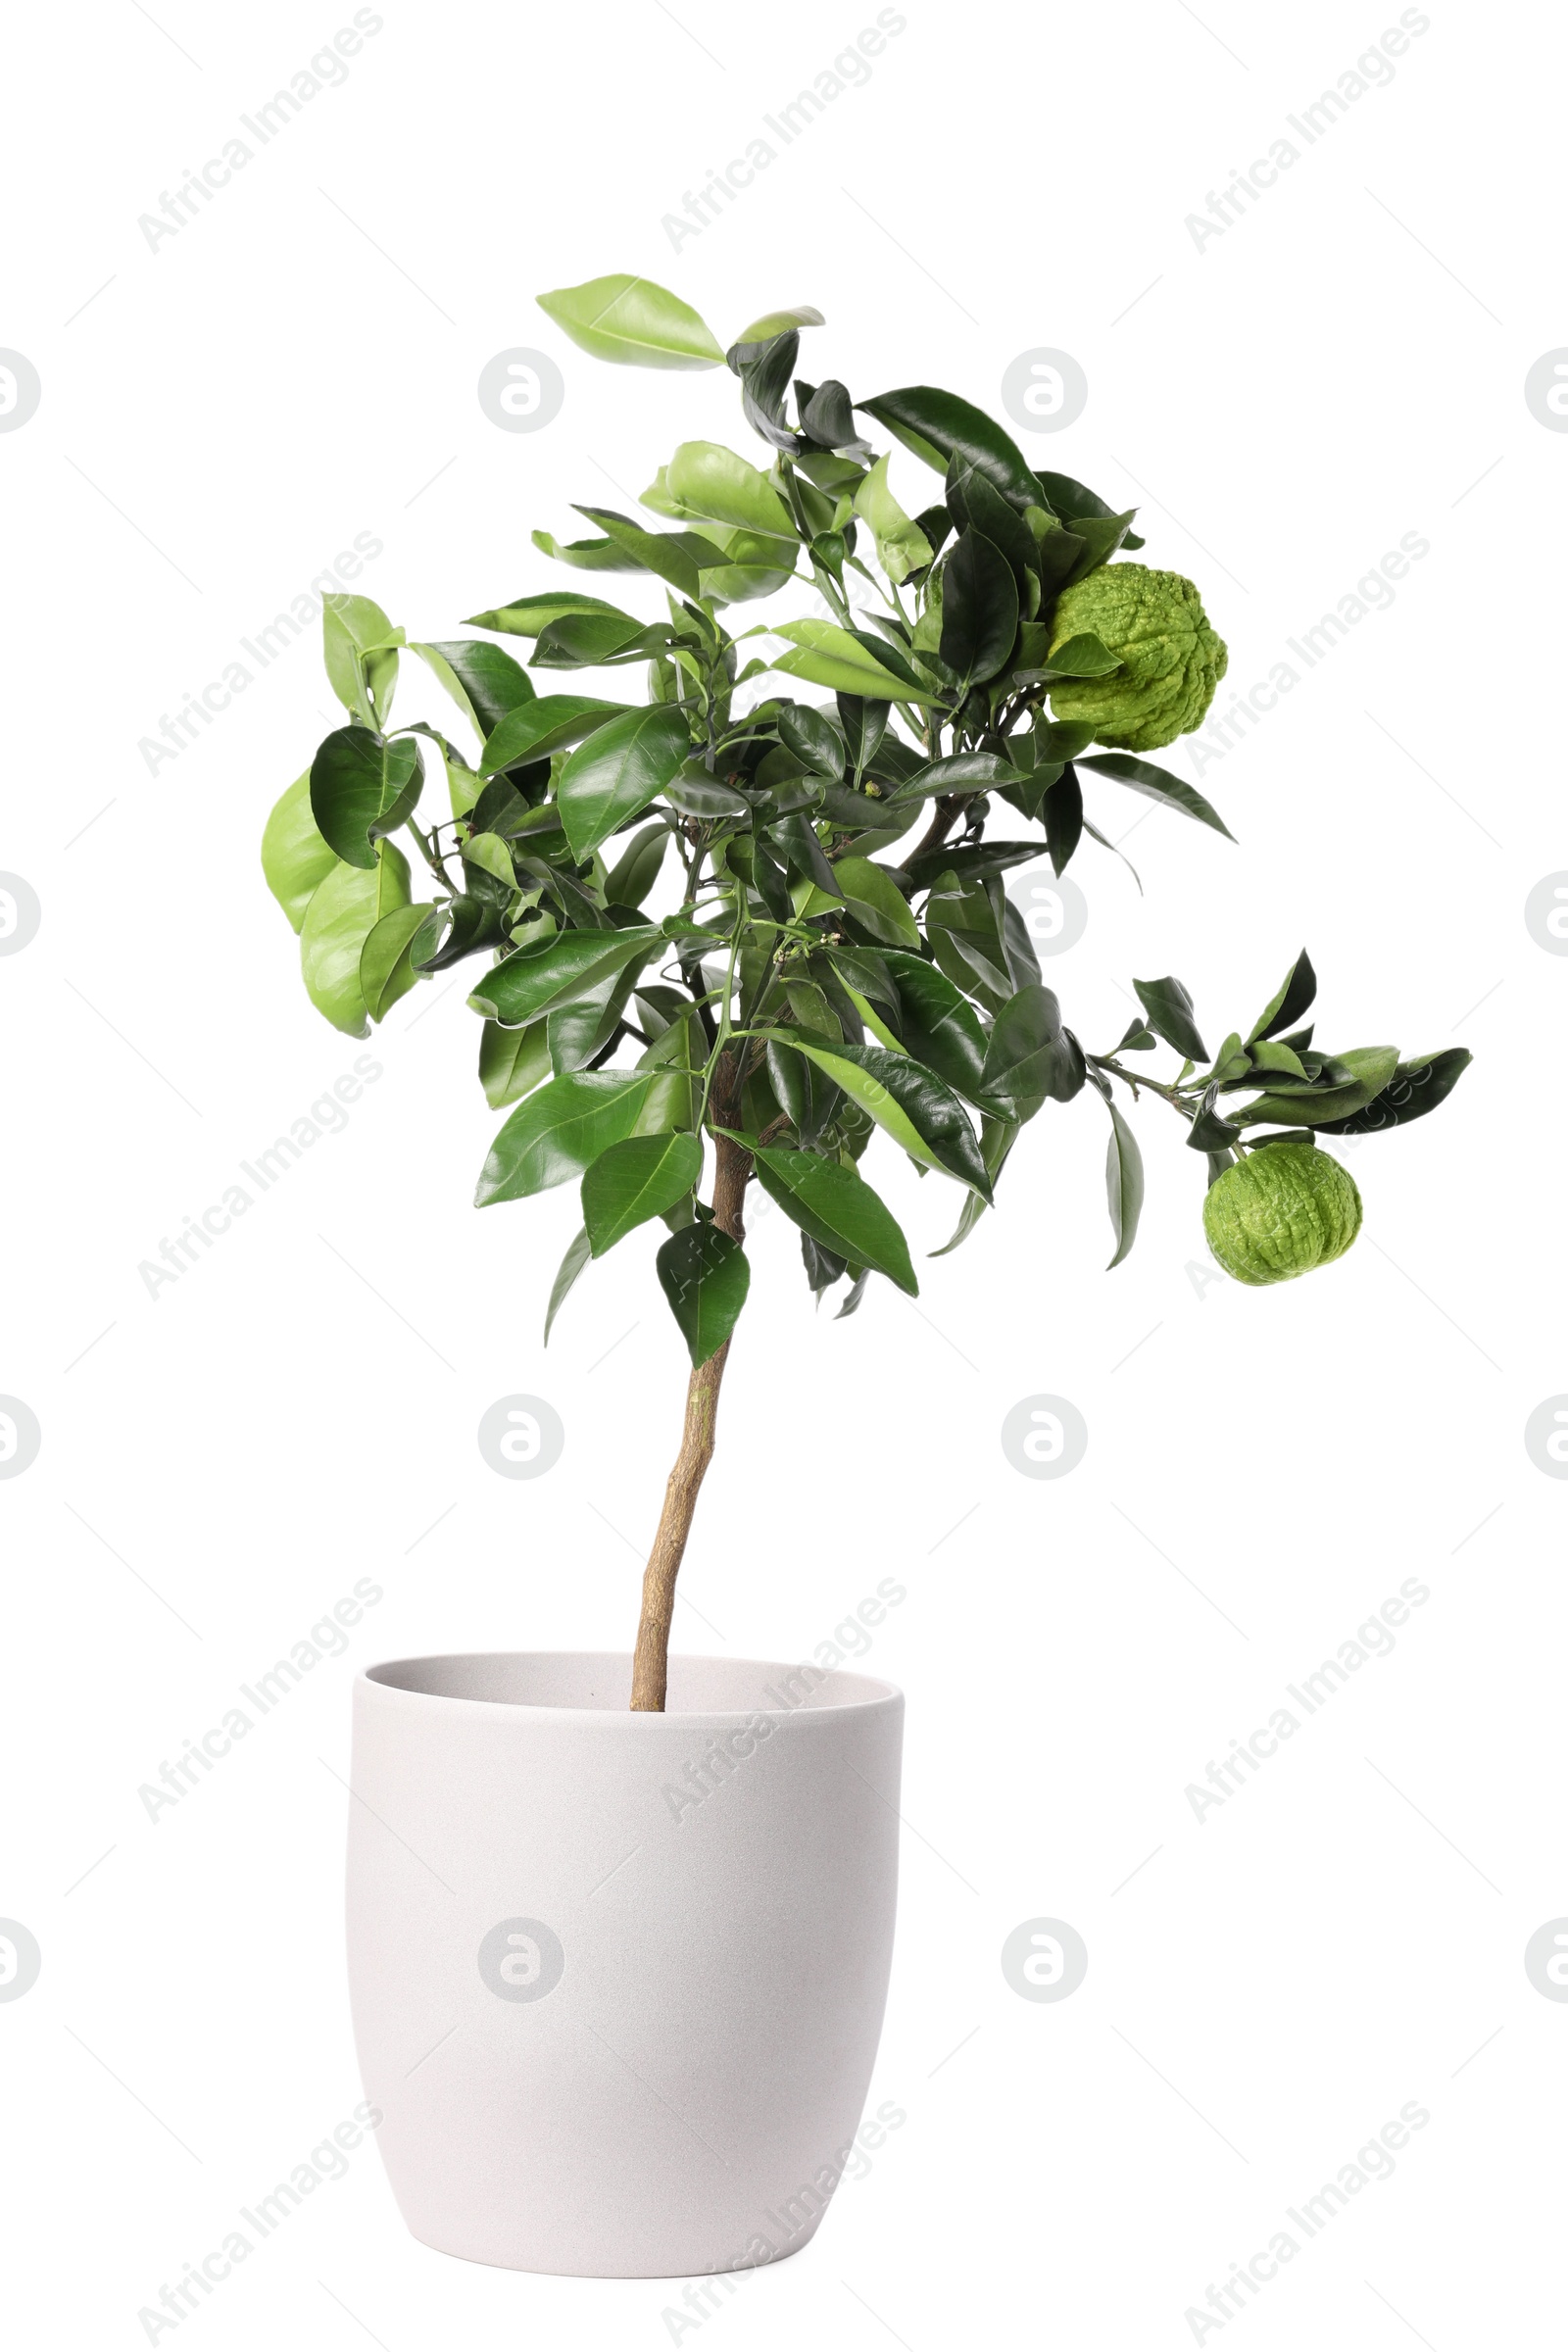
column 618, row 1980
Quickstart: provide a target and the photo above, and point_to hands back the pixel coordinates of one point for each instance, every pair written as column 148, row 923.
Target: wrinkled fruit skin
column 1172, row 659
column 1279, row 1212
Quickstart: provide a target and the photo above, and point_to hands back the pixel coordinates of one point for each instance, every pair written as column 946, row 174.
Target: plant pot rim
column 593, row 1689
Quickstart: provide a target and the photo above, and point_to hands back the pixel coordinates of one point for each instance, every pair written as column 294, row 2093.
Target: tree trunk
column 651, row 1664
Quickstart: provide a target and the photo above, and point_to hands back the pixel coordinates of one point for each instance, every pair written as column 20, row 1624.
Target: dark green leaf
column 1157, row 784
column 1030, row 1058
column 815, row 743
column 935, row 423
column 617, row 772
column 634, row 1181
column 636, row 870
column 706, row 1278
column 546, row 725
column 1063, row 817
column 958, row 772
column 1289, row 1002
column 917, row 1107
column 362, row 788
column 566, row 969
column 875, row 902
column 837, row 1208
column 674, row 556
column 483, row 680
column 1168, row 1011
column 1068, row 500
column 823, row 1267
column 864, row 726
column 1415, row 1088
column 979, row 609
column 1371, row 1069
column 512, row 1063
column 939, row 1025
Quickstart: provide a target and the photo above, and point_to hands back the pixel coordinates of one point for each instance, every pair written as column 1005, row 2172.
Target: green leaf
column 594, row 640
column 513, row 1061
column 295, row 859
column 933, row 424
column 876, row 902
column 633, row 322
column 571, row 1265
column 1415, row 1088
column 705, row 1276
column 1289, row 999
column 1063, row 816
column 940, row 1026
column 560, row 1130
column 958, row 772
column 483, row 680
column 825, row 655
column 1030, row 1059
column 901, row 547
column 837, row 1208
column 1070, row 500
column 385, row 972
column 813, row 739
column 636, row 870
column 676, row 557
column 1371, row 1068
column 564, row 970
column 1082, row 656
column 527, row 616
column 1168, row 1011
column 544, row 726
column 617, row 772
column 1124, row 1183
column 711, row 481
column 352, row 628
column 979, row 609
column 341, row 915
column 1157, row 784
column 778, row 322
column 361, row 788
column 634, row 1181
column 910, row 1102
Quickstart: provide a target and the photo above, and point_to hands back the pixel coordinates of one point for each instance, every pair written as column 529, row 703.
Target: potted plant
column 619, row 1928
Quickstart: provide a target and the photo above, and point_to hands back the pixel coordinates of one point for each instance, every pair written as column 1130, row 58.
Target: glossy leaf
column 825, row 655
column 1030, row 1059
column 352, row 626
column 1064, row 816
column 634, row 1181
column 295, row 859
column 571, row 1265
column 561, row 971
column 979, row 609
column 901, row 547
column 386, row 970
column 1289, row 999
column 1124, row 1183
column 617, row 772
column 1168, row 1011
column 1157, row 784
column 632, row 322
column 512, row 1061
column 711, row 481
column 837, row 1208
column 546, row 725
column 483, row 680
column 674, row 556
column 636, row 869
column 935, row 424
column 560, row 1130
column 939, row 1025
column 813, row 739
column 1415, row 1088
column 910, row 1102
column 704, row 1274
column 1371, row 1069
column 876, row 902
column 527, row 616
column 363, row 787
column 342, row 914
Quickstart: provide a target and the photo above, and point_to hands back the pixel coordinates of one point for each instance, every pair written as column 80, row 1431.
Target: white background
column 1343, row 366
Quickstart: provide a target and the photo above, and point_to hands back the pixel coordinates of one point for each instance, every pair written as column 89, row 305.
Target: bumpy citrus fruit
column 1281, row 1210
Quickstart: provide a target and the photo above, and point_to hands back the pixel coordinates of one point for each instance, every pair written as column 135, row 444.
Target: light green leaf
column 876, row 902
column 779, row 323
column 633, row 322
column 825, row 655
column 341, row 915
column 295, row 858
column 560, row 1130
column 901, row 546
column 527, row 616
column 385, row 972
column 711, row 481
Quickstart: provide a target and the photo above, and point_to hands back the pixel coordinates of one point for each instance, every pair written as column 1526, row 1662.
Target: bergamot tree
column 743, row 913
